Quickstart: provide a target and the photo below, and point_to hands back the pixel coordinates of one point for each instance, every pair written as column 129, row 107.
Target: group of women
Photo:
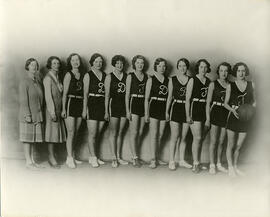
column 185, row 102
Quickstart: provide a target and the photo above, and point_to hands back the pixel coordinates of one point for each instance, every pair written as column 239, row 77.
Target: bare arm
column 86, row 82
column 147, row 98
column 66, row 83
column 128, row 86
column 226, row 101
column 254, row 95
column 107, row 84
column 208, row 102
column 169, row 99
column 188, row 97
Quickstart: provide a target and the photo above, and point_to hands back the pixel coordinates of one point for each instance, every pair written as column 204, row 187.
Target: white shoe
column 185, row 164
column 70, row 163
column 160, row 162
column 212, row 169
column 231, row 172
column 78, row 161
column 122, row 162
column 221, row 168
column 153, row 164
column 114, row 163
column 93, row 161
column 239, row 172
column 172, row 165
column 100, row 162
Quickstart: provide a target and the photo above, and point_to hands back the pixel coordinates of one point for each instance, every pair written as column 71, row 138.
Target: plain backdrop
column 219, row 31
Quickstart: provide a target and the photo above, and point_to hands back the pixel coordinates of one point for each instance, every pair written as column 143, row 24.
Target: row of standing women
column 186, row 102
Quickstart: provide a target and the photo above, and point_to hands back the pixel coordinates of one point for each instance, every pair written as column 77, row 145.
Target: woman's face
column 241, row 72
column 161, row 67
column 223, row 72
column 119, row 65
column 139, row 64
column 33, row 67
column 203, row 68
column 55, row 65
column 75, row 62
column 97, row 64
column 182, row 67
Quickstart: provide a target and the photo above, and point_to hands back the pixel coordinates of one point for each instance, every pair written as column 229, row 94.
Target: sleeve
column 48, row 96
column 24, row 98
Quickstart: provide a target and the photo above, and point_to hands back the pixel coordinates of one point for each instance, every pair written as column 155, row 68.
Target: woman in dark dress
column 237, row 93
column 216, row 116
column 135, row 90
column 175, row 112
column 197, row 88
column 115, row 110
column 155, row 108
column 73, row 104
column 94, row 104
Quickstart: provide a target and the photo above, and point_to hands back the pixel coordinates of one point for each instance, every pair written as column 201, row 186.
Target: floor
column 129, row 191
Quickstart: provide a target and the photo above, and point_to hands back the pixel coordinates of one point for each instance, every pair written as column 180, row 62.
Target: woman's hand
column 106, row 116
column 53, row 117
column 167, row 117
column 189, row 120
column 28, row 119
column 84, row 114
column 146, row 118
column 129, row 116
column 64, row 114
column 235, row 113
column 207, row 123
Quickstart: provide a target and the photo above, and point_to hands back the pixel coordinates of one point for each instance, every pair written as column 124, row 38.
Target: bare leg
column 154, row 129
column 120, row 141
column 27, row 153
column 239, row 144
column 231, row 141
column 183, row 145
column 134, row 131
column 175, row 132
column 160, row 135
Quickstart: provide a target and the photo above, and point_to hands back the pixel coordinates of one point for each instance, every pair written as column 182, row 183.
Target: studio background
column 154, row 29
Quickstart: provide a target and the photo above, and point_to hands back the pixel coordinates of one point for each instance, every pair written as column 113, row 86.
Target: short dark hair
column 49, row 62
column 224, row 64
column 69, row 66
column 159, row 60
column 235, row 68
column 134, row 59
column 94, row 57
column 27, row 63
column 198, row 64
column 118, row 58
column 183, row 60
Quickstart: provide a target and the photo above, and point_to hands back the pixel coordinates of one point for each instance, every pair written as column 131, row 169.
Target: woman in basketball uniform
column 237, row 93
column 31, row 112
column 55, row 132
column 177, row 116
column 94, row 104
column 216, row 116
column 135, row 90
column 115, row 110
column 73, row 104
column 155, row 108
column 196, row 94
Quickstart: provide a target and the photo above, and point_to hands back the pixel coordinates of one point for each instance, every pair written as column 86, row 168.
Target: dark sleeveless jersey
column 96, row 86
column 159, row 89
column 219, row 92
column 75, row 85
column 118, row 87
column 179, row 90
column 238, row 97
column 199, row 89
column 137, row 86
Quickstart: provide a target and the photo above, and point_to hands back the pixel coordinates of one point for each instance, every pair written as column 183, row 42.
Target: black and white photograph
column 155, row 108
